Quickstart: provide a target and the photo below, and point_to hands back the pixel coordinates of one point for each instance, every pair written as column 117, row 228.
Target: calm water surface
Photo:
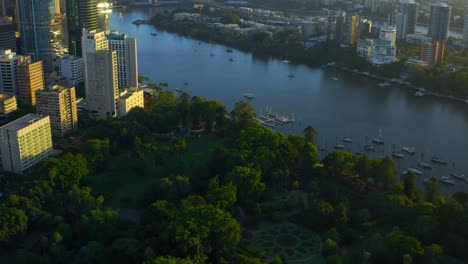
column 350, row 106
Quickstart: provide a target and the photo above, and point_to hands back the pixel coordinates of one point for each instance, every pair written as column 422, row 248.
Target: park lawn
column 125, row 182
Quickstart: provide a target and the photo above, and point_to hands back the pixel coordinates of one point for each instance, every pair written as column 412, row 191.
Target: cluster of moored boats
column 401, row 154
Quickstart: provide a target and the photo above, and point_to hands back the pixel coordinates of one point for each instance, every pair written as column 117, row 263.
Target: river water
column 350, row 106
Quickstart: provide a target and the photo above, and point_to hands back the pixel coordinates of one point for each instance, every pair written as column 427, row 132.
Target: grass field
column 128, row 178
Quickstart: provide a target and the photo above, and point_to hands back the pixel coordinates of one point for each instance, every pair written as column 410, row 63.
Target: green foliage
column 248, row 182
column 13, row 222
column 223, row 196
column 402, row 244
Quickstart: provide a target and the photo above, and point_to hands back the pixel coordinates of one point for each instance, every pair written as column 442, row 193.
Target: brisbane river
column 346, row 106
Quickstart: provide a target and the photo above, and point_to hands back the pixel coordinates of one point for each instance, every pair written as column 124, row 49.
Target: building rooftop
column 407, row 2
column 440, row 4
column 125, row 94
column 6, row 96
column 23, row 122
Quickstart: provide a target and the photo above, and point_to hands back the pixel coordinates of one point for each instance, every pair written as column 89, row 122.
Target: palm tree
column 310, row 134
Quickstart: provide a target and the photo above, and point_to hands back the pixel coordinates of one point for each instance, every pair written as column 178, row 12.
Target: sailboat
column 378, row 140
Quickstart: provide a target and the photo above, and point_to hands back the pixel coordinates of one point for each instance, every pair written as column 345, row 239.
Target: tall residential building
column 381, row 50
column 129, row 99
column 7, row 34
column 59, row 103
column 101, row 74
column 8, row 70
column 81, row 14
column 34, row 23
column 439, row 22
column 407, row 19
column 465, row 31
column 432, row 53
column 127, row 62
column 72, row 68
column 364, row 48
column 335, row 25
column 25, row 142
column 351, row 30
column 30, row 76
column 7, row 103
column 388, row 33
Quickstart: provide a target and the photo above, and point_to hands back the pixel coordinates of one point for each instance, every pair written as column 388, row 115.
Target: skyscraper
column 30, row 79
column 8, row 70
column 406, row 19
column 80, row 14
column 34, row 24
column 127, row 63
column 351, row 29
column 101, row 74
column 25, row 142
column 7, row 34
column 439, row 21
column 60, row 104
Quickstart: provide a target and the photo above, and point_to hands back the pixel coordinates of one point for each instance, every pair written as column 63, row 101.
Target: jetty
column 271, row 119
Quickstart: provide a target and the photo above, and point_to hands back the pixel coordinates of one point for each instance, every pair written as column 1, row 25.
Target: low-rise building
column 7, row 103
column 418, row 39
column 129, row 99
column 25, row 142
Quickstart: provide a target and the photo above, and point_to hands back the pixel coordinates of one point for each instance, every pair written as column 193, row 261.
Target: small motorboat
column 415, row 171
column 419, row 94
column 384, row 84
column 458, row 176
column 369, row 148
column 291, row 75
column 347, row 140
column 378, row 141
column 154, row 34
column 436, row 159
column 409, row 150
column 397, row 154
column 229, row 50
column 248, row 95
column 335, row 78
column 447, row 180
column 286, row 61
column 323, row 149
column 424, row 165
column 185, row 83
column 403, row 173
column 178, row 90
column 339, row 146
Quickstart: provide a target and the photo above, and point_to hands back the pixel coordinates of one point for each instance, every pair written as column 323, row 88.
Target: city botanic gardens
column 187, row 181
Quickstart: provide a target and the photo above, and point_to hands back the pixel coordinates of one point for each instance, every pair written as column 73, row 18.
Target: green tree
column 403, row 244
column 433, row 190
column 386, row 173
column 242, row 116
column 13, row 222
column 248, row 182
column 310, row 134
column 410, row 186
column 223, row 196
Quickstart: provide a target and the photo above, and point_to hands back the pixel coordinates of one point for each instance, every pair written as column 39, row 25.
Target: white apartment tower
column 101, row 74
column 25, row 142
column 127, row 62
column 8, row 70
column 72, row 68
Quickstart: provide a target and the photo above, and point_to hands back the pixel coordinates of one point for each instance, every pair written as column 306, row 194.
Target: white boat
column 339, row 146
column 424, row 165
column 415, row 171
column 334, row 78
column 347, row 140
column 409, row 150
column 384, row 84
column 458, row 176
column 369, row 148
column 286, row 61
column 248, row 95
column 419, row 94
column 378, row 141
column 178, row 90
column 291, row 75
column 397, row 154
column 436, row 159
column 403, row 173
column 322, row 148
column 447, row 179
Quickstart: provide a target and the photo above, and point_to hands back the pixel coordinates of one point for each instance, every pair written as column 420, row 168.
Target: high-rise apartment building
column 81, row 14
column 101, row 74
column 351, row 30
column 73, row 69
column 7, row 34
column 439, row 22
column 406, row 19
column 25, row 142
column 59, row 103
column 34, row 24
column 432, row 53
column 7, row 103
column 127, row 62
column 381, row 50
column 335, row 25
column 8, row 70
column 30, row 76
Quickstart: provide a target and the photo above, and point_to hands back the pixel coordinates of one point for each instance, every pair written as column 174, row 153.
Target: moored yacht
column 415, row 171
column 397, row 154
column 436, row 159
column 424, row 165
column 458, row 176
column 447, row 180
column 409, row 150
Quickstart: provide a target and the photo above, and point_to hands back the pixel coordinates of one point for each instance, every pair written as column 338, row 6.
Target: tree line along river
column 343, row 105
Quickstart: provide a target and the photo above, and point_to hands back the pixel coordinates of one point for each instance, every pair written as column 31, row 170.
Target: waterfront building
column 465, row 31
column 25, row 142
column 406, row 19
column 34, row 24
column 365, row 27
column 432, row 53
column 335, row 25
column 439, row 21
column 388, row 33
column 72, row 69
column 7, row 34
column 351, row 30
column 127, row 62
column 129, row 99
column 80, row 14
column 7, row 103
column 30, row 76
column 59, row 103
column 364, row 48
column 418, row 39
